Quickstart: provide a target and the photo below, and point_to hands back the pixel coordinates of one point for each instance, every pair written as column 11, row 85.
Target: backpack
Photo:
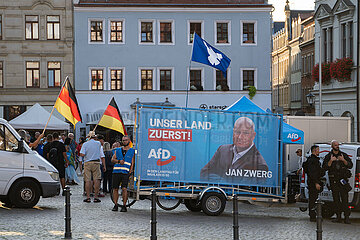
column 53, row 156
column 305, row 166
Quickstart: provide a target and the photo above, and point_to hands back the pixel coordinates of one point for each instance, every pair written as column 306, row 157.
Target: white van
column 353, row 150
column 24, row 174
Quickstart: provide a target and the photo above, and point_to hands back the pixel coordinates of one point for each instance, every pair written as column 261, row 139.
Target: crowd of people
column 338, row 164
column 97, row 160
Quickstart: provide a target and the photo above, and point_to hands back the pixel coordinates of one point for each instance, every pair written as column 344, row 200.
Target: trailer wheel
column 24, row 194
column 129, row 202
column 213, row 203
column 167, row 203
column 193, row 205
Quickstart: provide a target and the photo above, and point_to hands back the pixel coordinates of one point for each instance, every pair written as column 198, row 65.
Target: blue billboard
column 196, row 146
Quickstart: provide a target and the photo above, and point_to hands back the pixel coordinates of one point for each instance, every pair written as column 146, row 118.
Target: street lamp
column 310, row 98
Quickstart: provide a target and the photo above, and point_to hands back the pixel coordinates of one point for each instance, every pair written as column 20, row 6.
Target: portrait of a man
column 238, row 158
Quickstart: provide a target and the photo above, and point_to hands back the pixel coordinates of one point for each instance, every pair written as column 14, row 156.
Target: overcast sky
column 294, row 5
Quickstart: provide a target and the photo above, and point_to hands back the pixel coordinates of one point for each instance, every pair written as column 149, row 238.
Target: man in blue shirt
column 92, row 154
column 123, row 159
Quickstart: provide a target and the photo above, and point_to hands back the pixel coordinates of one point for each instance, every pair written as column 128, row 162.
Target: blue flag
column 204, row 53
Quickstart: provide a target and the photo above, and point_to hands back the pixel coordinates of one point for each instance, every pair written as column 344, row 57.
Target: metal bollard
column 235, row 217
column 319, row 219
column 67, row 213
column 153, row 215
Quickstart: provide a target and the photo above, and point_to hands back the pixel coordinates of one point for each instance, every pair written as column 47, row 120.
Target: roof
column 304, row 14
column 278, row 26
column 174, row 3
column 36, row 118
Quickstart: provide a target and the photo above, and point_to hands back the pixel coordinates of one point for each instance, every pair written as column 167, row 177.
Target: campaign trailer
column 177, row 149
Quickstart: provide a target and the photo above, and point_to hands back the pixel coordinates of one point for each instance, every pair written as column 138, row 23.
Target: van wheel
column 213, row 203
column 25, row 194
column 193, row 205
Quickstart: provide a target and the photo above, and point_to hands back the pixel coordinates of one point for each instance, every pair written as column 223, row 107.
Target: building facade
column 286, row 63
column 336, row 35
column 307, row 49
column 36, row 41
column 139, row 52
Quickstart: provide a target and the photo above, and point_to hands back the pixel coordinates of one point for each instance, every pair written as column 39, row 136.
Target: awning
column 290, row 134
column 36, row 118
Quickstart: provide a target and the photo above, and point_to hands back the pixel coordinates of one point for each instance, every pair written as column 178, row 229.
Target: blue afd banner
column 208, row 147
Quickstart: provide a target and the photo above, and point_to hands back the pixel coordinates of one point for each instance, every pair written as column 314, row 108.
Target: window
column 146, row 32
column 53, row 27
column 54, row 74
column 351, row 40
column 96, row 31
column 32, row 74
column 195, row 27
column 0, row 27
column 195, row 80
column 1, row 75
column 7, row 140
column 221, row 82
column 97, row 79
column 12, row 111
column 116, row 31
column 165, row 80
column 343, row 39
column 116, row 76
column 146, row 79
column 31, row 27
column 248, row 78
column 248, row 34
column 166, row 32
column 222, row 33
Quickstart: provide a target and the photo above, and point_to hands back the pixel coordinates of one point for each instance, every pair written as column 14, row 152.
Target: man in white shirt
column 92, row 155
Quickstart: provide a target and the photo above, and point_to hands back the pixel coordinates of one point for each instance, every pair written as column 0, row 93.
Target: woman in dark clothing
column 107, row 182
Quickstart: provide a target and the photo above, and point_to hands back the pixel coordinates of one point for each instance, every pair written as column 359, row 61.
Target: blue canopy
column 290, row 134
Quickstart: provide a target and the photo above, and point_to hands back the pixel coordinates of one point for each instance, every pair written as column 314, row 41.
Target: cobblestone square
column 97, row 221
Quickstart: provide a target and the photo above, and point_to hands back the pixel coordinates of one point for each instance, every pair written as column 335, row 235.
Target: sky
column 294, row 5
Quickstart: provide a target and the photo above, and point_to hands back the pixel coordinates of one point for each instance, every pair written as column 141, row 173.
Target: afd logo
column 294, row 137
column 163, row 155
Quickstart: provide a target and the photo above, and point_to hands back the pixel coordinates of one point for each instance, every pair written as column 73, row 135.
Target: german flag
column 112, row 118
column 67, row 105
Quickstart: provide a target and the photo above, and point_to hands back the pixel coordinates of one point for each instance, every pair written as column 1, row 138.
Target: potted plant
column 341, row 69
column 325, row 73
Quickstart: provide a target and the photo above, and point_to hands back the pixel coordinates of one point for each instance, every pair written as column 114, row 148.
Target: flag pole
column 66, row 79
column 101, row 117
column 188, row 80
